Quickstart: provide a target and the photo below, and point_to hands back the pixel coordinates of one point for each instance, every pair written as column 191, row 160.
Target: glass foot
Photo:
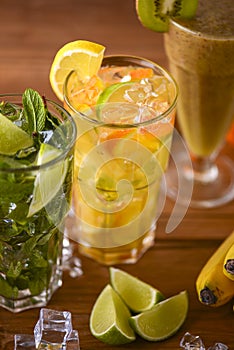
column 198, row 190
column 26, row 300
column 127, row 254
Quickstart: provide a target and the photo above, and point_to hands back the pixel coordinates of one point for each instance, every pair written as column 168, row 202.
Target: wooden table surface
column 31, row 33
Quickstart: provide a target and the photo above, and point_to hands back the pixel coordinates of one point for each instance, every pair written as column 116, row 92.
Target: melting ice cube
column 191, row 342
column 218, row 346
column 53, row 331
column 24, row 342
column 53, row 327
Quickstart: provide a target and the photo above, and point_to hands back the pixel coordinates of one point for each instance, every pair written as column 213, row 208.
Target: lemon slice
column 163, row 320
column 12, row 137
column 137, row 295
column 48, row 181
column 83, row 56
column 109, row 319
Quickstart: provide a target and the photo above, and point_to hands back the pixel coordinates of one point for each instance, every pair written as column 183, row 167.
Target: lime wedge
column 163, row 320
column 48, row 181
column 119, row 97
column 109, row 319
column 12, row 138
column 137, row 295
column 116, row 93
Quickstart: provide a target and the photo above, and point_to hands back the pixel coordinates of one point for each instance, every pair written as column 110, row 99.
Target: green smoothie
column 201, row 57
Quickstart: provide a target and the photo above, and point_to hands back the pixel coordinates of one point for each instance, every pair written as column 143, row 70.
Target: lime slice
column 163, row 320
column 120, row 97
column 115, row 92
column 137, row 295
column 83, row 56
column 155, row 15
column 12, row 138
column 48, row 181
column 109, row 319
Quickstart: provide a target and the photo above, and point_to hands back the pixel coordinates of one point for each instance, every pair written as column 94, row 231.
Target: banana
column 213, row 287
column 228, row 264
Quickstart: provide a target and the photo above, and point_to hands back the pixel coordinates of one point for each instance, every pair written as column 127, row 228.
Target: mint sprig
column 34, row 110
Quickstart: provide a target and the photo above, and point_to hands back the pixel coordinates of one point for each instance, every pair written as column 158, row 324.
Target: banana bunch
column 215, row 282
column 228, row 266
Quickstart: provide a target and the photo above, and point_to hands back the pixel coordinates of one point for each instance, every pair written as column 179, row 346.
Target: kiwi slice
column 155, row 14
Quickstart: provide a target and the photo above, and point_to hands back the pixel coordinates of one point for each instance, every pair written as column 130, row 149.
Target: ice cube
column 113, row 75
column 24, row 342
column 53, row 328
column 53, row 331
column 73, row 341
column 218, row 346
column 191, row 342
column 71, row 263
column 137, row 93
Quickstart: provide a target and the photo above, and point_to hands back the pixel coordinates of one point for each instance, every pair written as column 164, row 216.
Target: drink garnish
column 155, row 15
column 12, row 137
column 34, row 110
column 23, row 128
column 83, row 56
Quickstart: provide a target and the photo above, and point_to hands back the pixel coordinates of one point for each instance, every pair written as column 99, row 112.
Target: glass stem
column 204, row 169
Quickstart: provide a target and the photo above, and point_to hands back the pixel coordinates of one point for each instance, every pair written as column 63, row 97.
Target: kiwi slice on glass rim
column 155, row 14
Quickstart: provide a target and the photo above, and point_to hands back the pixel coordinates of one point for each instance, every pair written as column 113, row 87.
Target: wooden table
column 31, row 34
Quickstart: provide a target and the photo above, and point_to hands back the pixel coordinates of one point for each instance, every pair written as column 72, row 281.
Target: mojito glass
column 35, row 181
column 125, row 125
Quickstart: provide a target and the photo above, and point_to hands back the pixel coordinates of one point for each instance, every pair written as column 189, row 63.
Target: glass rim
column 150, row 64
column 72, row 140
column 198, row 33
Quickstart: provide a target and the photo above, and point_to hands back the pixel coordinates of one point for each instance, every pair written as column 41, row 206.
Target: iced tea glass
column 121, row 154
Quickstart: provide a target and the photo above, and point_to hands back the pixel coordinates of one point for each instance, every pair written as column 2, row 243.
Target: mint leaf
column 38, row 281
column 19, row 214
column 14, row 270
column 34, row 110
column 10, row 110
column 37, row 260
column 8, row 230
column 14, row 192
column 7, row 290
column 30, row 244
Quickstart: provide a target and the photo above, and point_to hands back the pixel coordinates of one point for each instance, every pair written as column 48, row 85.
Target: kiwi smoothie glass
column 200, row 53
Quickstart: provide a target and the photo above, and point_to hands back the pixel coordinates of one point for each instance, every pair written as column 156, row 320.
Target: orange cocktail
column 125, row 117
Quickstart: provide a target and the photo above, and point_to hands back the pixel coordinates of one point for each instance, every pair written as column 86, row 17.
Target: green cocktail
column 36, row 144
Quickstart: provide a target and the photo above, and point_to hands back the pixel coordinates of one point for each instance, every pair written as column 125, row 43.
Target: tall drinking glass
column 121, row 153
column 34, row 199
column 200, row 53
